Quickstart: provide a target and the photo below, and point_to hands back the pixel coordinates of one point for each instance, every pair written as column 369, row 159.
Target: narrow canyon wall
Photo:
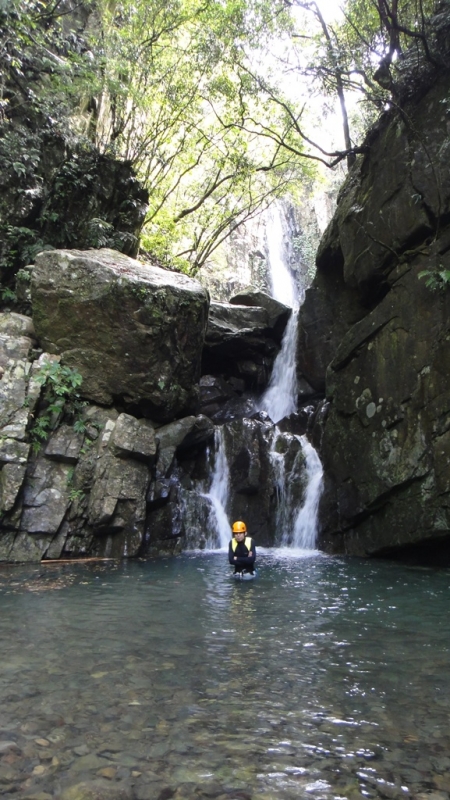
column 375, row 338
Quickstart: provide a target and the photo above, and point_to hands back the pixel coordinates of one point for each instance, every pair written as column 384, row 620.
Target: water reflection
column 323, row 678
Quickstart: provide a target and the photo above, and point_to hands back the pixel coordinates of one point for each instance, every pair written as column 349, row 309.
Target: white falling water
column 280, row 399
column 218, row 495
column 283, row 287
column 305, row 526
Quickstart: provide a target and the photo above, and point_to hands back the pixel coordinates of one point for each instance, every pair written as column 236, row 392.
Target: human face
column 240, row 536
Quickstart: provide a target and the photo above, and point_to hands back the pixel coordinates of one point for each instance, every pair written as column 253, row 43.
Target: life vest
column 247, row 542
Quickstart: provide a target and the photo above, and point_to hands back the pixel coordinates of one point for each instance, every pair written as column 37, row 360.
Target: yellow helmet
column 239, row 527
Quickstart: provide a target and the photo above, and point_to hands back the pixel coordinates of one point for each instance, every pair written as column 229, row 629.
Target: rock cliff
column 374, row 337
column 104, row 450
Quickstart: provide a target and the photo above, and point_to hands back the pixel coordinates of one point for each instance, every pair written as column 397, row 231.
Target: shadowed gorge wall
column 374, row 335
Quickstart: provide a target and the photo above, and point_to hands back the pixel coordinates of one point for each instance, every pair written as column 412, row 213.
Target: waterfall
column 305, row 526
column 218, row 496
column 280, row 400
column 289, row 467
column 283, row 286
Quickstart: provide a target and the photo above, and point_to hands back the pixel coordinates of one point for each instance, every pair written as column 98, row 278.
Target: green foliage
column 8, row 295
column 60, row 396
column 436, row 279
column 187, row 111
column 184, row 92
column 46, row 62
column 362, row 56
column 76, row 494
column 20, row 245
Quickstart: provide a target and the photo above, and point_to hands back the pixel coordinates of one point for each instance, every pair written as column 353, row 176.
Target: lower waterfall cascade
column 218, row 495
column 288, row 462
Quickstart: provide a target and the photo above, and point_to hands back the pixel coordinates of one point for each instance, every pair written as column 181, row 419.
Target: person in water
column 241, row 551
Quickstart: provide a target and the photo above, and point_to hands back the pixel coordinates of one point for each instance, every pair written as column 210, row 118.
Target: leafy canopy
column 205, row 98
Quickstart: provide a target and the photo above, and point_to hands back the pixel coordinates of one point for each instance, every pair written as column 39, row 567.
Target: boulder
column 134, row 332
column 240, row 343
column 278, row 313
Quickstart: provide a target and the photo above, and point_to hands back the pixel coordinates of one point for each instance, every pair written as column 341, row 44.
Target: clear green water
column 322, row 679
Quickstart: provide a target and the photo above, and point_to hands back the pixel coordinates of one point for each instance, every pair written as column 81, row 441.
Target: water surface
column 324, row 678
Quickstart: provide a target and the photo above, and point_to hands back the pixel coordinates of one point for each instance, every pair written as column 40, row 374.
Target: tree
column 175, row 100
column 183, row 92
column 363, row 55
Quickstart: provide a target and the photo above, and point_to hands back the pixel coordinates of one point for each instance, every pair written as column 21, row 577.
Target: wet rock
column 172, row 435
column 254, row 475
column 235, row 408
column 278, row 313
column 133, row 438
column 201, row 434
column 239, row 344
column 8, row 747
column 82, row 750
column 179, row 438
column 214, row 392
column 375, row 338
column 158, row 493
column 46, row 496
column 64, row 445
column 166, row 526
column 97, row 790
column 134, row 332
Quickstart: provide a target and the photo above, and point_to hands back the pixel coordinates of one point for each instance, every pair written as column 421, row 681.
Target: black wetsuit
column 244, row 561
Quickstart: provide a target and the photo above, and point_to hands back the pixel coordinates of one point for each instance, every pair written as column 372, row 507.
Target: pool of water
column 323, row 678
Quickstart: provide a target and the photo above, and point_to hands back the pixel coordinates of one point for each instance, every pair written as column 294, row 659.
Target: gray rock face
column 46, row 497
column 134, row 332
column 19, row 393
column 116, row 502
column 133, row 438
column 107, row 488
column 376, row 338
column 278, row 313
column 64, row 445
column 16, row 337
column 240, row 343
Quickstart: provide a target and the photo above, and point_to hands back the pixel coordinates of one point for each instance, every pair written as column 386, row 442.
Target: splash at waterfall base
column 259, row 474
